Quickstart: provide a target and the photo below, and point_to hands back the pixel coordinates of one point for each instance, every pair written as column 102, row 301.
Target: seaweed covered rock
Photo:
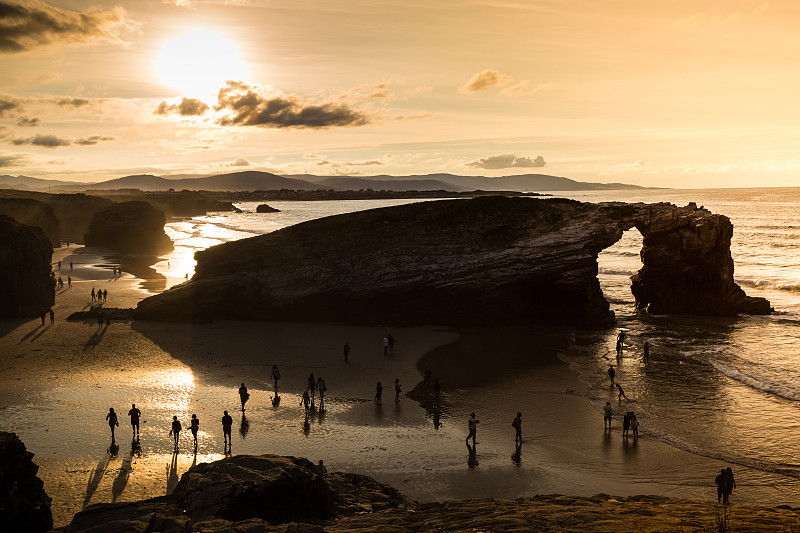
column 131, row 228
column 25, row 254
column 24, row 505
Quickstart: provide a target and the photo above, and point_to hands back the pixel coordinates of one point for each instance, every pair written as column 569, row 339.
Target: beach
column 59, row 380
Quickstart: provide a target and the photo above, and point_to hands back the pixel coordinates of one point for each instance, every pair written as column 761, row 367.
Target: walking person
column 517, row 425
column 311, row 386
column 611, row 374
column 722, row 487
column 390, row 339
column 731, row 483
column 135, row 415
column 195, row 427
column 621, row 394
column 378, row 393
column 626, row 424
column 94, row 298
column 646, row 352
column 69, row 282
column 472, row 424
column 243, row 395
column 276, row 375
column 608, row 412
column 346, row 351
column 322, row 389
column 176, row 430
column 634, row 425
column 385, row 344
column 112, row 422
column 227, row 422
column 397, row 390
column 52, row 316
column 305, row 402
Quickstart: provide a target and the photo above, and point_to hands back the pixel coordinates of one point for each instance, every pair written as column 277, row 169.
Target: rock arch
column 488, row 260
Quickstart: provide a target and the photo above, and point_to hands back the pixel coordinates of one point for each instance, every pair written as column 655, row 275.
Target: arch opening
column 615, row 266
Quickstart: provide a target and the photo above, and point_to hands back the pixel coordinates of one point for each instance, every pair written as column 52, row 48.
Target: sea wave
column 779, row 389
column 770, row 284
column 616, row 271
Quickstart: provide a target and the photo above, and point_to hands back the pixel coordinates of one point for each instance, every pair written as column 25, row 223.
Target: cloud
column 29, row 122
column 91, row 141
column 523, row 89
column 53, row 141
column 244, row 105
column 507, row 161
column 31, row 24
column 312, row 156
column 72, row 102
column 7, row 104
column 349, row 163
column 187, row 107
column 240, row 162
column 376, row 90
column 483, row 80
column 12, row 160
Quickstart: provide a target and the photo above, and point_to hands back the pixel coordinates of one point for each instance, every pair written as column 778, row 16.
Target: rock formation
column 33, row 213
column 131, row 228
column 24, row 505
column 25, row 254
column 488, row 260
column 264, row 208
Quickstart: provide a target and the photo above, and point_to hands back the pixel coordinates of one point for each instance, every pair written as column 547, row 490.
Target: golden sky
column 685, row 93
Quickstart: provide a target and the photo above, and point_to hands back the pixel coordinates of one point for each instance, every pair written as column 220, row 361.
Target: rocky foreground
column 286, row 494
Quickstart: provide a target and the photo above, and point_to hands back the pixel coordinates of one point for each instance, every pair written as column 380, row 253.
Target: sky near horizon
column 687, row 93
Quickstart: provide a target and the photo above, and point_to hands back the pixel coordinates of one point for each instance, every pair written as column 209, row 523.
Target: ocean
column 723, row 388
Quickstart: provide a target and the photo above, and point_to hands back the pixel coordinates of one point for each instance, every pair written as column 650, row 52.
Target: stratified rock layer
column 24, row 505
column 488, row 260
column 33, row 213
column 25, row 254
column 131, row 228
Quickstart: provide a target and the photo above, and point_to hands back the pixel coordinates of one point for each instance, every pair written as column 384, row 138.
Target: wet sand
column 58, row 381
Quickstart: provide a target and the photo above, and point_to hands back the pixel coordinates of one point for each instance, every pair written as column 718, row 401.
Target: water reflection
column 244, row 427
column 516, row 457
column 472, row 460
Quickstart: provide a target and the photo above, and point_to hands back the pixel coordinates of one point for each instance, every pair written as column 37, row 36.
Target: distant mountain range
column 255, row 180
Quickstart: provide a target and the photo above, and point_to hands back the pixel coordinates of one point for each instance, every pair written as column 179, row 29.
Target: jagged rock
column 25, row 254
column 24, row 505
column 246, row 493
column 488, row 260
column 264, row 208
column 130, row 227
column 33, row 213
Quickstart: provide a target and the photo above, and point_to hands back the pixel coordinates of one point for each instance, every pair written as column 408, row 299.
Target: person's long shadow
column 516, row 457
column 121, row 481
column 472, row 460
column 44, row 330
column 96, row 337
column 28, row 335
column 172, row 473
column 244, row 427
column 95, row 477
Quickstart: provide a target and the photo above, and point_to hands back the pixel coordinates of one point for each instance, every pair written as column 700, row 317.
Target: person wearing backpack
column 517, row 425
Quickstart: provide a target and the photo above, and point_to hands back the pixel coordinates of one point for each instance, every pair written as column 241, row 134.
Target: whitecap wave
column 773, row 387
column 770, row 284
column 616, row 271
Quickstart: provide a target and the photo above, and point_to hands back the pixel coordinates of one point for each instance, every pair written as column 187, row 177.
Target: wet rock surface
column 488, row 260
column 131, row 228
column 25, row 254
column 264, row 208
column 24, row 505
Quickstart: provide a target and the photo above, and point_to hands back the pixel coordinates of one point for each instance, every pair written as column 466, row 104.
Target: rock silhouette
column 130, row 227
column 24, row 505
column 25, row 254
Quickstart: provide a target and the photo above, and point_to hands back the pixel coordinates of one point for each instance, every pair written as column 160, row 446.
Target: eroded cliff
column 131, row 228
column 25, row 254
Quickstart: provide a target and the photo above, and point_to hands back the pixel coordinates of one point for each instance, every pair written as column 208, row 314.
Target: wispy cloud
column 8, row 104
column 29, row 122
column 12, row 160
column 524, row 88
column 72, row 102
column 187, row 107
column 507, row 161
column 53, row 141
column 31, row 24
column 91, row 141
column 484, row 80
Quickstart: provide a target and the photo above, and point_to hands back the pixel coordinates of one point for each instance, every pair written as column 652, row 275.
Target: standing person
column 646, row 352
column 195, row 427
column 70, row 266
column 59, row 264
column 69, row 281
column 378, row 393
column 311, row 385
column 243, row 395
column 722, row 486
column 105, row 295
column 390, row 339
column 517, row 424
column 385, row 344
column 227, row 422
column 731, row 483
column 607, row 414
column 176, row 430
column 621, row 394
column 52, row 316
column 112, row 422
column 346, row 351
column 44, row 313
column 135, row 415
column 472, row 424
column 276, row 375
column 321, row 388
column 94, row 298
column 611, row 374
column 634, row 425
column 626, row 424
column 397, row 390
column 305, row 402
column 571, row 339
column 322, row 469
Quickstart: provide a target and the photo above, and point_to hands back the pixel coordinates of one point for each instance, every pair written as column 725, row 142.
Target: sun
column 199, row 63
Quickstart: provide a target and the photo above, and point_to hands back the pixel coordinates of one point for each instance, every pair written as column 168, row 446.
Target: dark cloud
column 187, row 107
column 483, row 80
column 8, row 104
column 245, row 106
column 507, row 161
column 91, row 141
column 72, row 102
column 29, row 122
column 350, row 163
column 30, row 24
column 12, row 160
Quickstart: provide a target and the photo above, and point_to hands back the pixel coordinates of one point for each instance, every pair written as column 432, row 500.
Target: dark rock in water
column 33, row 213
column 25, row 254
column 264, row 208
column 488, row 260
column 130, row 227
column 245, row 490
column 24, row 505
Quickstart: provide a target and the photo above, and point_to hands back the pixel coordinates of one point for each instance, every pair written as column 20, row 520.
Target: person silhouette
column 135, row 415
column 243, row 395
column 397, row 390
column 346, row 352
column 517, row 423
column 378, row 393
column 112, row 421
column 176, row 430
column 472, row 424
column 195, row 427
column 227, row 422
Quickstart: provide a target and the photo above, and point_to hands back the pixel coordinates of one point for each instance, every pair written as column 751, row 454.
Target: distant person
column 311, row 385
column 378, row 393
column 722, row 486
column 243, row 395
column 620, row 342
column 571, row 340
column 69, row 282
column 105, row 295
column 52, row 316
column 472, row 424
column 646, row 352
column 227, row 423
column 517, row 425
column 70, row 266
column 608, row 412
column 135, row 415
column 305, row 401
column 626, row 424
column 275, row 375
column 346, row 352
column 195, row 427
column 611, row 374
column 94, row 298
column 731, row 482
column 634, row 425
column 59, row 265
column 390, row 340
column 44, row 313
column 322, row 470
column 397, row 390
column 112, row 421
column 322, row 388
column 385, row 344
column 621, row 394
column 176, row 430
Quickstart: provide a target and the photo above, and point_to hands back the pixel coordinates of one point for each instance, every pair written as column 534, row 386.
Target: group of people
column 378, row 398
column 101, row 296
column 313, row 386
column 725, row 485
column 388, row 344
column 629, row 421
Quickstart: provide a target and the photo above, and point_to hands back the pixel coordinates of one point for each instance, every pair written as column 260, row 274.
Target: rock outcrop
column 24, row 505
column 33, row 213
column 264, row 208
column 25, row 254
column 131, row 228
column 259, row 491
column 488, row 260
